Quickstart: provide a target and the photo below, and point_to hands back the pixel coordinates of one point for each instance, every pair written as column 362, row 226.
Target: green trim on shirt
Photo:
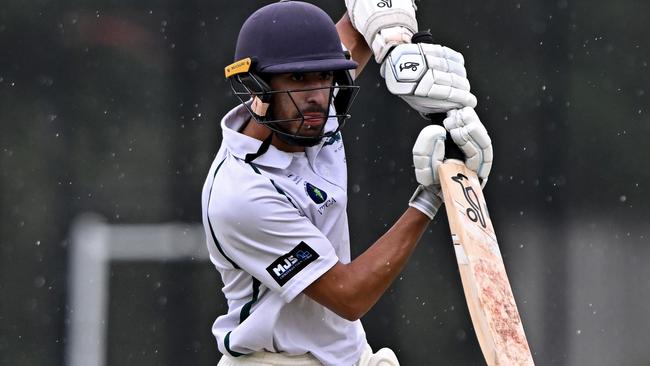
column 277, row 188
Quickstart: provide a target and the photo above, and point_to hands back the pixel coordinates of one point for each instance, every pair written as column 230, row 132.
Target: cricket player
column 275, row 198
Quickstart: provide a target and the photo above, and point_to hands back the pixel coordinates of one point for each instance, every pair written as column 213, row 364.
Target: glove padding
column 472, row 138
column 430, row 78
column 428, row 154
column 383, row 23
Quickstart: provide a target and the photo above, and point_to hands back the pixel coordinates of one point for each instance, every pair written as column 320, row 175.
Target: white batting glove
column 428, row 154
column 383, row 23
column 430, row 78
column 472, row 138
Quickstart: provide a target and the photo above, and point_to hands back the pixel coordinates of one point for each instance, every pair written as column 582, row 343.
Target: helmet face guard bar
column 342, row 93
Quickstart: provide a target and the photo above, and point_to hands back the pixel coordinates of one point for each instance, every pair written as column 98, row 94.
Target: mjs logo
column 288, row 265
column 316, row 194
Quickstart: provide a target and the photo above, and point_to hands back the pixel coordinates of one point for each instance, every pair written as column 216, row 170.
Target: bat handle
column 452, row 151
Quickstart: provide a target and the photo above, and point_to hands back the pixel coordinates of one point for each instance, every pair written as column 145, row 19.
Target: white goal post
column 94, row 245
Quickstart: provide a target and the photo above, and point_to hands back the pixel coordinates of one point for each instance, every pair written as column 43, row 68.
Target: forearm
column 354, row 42
column 376, row 269
column 351, row 290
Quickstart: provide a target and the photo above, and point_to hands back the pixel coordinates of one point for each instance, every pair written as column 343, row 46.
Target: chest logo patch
column 333, row 139
column 316, row 194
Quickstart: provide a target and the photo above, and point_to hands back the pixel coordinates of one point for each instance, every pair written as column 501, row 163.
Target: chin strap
column 263, row 148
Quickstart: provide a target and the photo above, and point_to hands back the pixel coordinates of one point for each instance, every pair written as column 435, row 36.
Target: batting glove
column 430, row 78
column 428, row 154
column 383, row 23
column 472, row 138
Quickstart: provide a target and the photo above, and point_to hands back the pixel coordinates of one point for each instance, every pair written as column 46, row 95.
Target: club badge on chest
column 319, row 197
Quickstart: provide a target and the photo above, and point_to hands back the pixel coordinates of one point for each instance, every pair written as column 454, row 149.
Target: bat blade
column 489, row 296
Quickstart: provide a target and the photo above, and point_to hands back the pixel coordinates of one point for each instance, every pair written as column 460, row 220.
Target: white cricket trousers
column 383, row 357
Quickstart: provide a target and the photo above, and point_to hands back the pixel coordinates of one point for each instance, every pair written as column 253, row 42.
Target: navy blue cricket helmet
column 290, row 37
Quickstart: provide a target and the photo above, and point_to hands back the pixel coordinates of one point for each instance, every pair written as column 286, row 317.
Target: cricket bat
column 487, row 290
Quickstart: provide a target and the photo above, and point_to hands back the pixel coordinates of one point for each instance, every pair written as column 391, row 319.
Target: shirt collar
column 240, row 145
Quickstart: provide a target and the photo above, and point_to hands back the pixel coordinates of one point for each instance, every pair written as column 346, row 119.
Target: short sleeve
column 260, row 229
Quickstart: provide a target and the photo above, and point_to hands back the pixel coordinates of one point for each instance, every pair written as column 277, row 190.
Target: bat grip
column 452, row 151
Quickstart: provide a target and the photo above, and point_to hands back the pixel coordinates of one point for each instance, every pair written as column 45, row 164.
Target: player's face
column 312, row 104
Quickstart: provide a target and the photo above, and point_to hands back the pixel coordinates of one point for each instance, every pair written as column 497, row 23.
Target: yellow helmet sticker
column 238, row 67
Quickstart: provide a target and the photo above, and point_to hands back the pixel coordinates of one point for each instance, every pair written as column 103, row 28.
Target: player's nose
column 318, row 95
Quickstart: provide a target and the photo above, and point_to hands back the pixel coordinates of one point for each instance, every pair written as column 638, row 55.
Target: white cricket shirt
column 273, row 226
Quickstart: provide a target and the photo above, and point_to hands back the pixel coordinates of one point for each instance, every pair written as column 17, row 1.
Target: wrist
column 427, row 200
column 383, row 23
column 387, row 39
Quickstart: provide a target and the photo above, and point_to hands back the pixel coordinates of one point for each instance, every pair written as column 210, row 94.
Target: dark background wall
column 113, row 106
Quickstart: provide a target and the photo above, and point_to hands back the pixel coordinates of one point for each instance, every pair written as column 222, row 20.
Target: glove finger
column 428, row 137
column 454, row 55
column 443, row 64
column 481, row 167
column 453, row 120
column 443, row 52
column 449, row 94
column 460, row 118
column 441, row 92
column 428, row 153
column 484, row 172
column 449, row 79
column 424, row 176
column 468, row 132
column 478, row 134
column 488, row 154
column 469, row 116
column 427, row 106
column 433, row 89
column 473, row 153
column 477, row 148
column 462, row 97
column 421, row 161
column 462, row 139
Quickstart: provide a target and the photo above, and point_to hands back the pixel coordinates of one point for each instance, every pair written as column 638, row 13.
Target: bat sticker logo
column 474, row 212
column 409, row 65
column 385, row 3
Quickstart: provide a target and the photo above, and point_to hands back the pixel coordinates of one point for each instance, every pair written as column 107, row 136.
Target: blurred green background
column 112, row 107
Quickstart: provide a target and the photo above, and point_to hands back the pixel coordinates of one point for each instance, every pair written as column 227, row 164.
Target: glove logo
column 409, row 65
column 385, row 4
column 474, row 212
column 316, row 194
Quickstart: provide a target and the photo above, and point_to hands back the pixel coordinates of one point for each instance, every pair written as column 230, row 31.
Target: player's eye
column 326, row 75
column 297, row 76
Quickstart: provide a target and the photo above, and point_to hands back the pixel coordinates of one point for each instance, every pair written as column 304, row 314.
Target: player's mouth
column 313, row 120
